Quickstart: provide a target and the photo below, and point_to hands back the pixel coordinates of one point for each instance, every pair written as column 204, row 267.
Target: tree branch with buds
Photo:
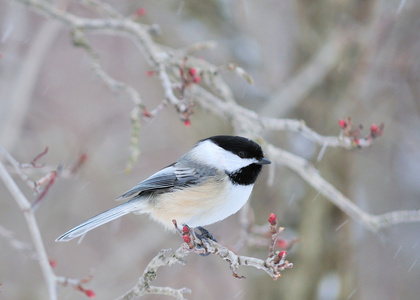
column 28, row 210
column 273, row 265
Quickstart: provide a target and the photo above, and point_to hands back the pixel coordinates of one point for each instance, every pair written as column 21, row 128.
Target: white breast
column 235, row 198
column 199, row 206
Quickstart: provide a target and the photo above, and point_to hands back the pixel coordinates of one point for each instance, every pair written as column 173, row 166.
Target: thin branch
column 165, row 257
column 28, row 210
column 101, row 8
column 25, row 207
column 311, row 175
column 18, row 245
column 272, row 265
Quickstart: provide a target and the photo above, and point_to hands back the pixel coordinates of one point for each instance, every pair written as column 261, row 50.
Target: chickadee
column 206, row 185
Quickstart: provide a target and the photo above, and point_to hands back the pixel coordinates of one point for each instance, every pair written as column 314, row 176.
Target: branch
column 311, row 175
column 273, row 265
column 165, row 257
column 204, row 244
column 25, row 206
column 40, row 254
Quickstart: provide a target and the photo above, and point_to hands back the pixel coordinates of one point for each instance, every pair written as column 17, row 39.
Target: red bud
column 282, row 243
column 150, row 73
column 196, row 79
column 140, row 12
column 90, row 294
column 342, row 123
column 192, row 71
column 272, row 219
column 187, row 238
column 53, row 263
column 282, row 254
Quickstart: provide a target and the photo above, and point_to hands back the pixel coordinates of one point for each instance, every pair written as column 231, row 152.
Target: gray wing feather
column 101, row 219
column 168, row 177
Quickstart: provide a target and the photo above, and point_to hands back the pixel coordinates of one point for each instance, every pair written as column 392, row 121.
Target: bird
column 207, row 184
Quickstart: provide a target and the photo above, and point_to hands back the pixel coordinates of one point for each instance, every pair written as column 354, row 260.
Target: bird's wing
column 168, row 177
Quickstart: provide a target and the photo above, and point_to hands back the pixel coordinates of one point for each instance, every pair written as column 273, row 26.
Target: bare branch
column 25, row 207
column 101, row 8
column 165, row 257
column 312, row 176
column 40, row 254
column 18, row 245
column 272, row 266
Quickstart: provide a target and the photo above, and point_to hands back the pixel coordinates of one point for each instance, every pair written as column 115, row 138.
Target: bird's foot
column 203, row 238
column 194, row 239
column 205, row 234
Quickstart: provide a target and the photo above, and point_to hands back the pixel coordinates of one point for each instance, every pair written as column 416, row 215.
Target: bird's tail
column 102, row 218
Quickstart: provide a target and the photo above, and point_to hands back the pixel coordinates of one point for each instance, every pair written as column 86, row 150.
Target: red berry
column 53, row 263
column 374, row 128
column 192, row 71
column 150, row 73
column 187, row 238
column 342, row 123
column 90, row 294
column 282, row 243
column 187, row 122
column 84, row 157
column 185, row 229
column 196, row 79
column 282, row 254
column 140, row 12
column 272, row 219
column 146, row 113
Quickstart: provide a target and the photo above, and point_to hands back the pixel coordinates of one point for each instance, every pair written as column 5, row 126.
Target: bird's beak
column 264, row 161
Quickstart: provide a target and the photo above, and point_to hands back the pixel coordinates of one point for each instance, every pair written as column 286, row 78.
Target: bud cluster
column 354, row 133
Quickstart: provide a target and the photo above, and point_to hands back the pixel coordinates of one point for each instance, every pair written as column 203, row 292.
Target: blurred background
column 319, row 61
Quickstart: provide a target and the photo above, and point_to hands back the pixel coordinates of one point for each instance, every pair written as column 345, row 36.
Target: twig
column 17, row 167
column 40, row 254
column 25, row 207
column 102, row 7
column 165, row 257
column 18, row 245
column 49, row 180
column 312, row 176
column 270, row 265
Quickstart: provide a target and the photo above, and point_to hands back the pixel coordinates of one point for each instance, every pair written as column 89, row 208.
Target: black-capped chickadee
column 206, row 185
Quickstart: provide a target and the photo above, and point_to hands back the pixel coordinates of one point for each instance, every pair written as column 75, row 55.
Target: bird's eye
column 242, row 154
